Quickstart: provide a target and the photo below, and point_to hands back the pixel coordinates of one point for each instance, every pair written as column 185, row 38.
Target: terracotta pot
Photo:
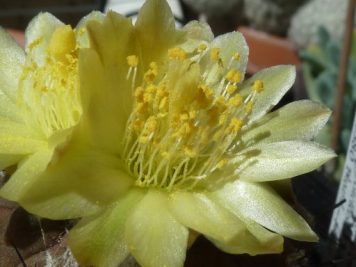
column 19, row 36
column 268, row 50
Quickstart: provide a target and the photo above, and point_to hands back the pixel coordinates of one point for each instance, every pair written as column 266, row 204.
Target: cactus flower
column 39, row 99
column 173, row 138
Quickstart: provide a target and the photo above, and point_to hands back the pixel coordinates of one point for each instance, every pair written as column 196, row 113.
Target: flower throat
column 183, row 127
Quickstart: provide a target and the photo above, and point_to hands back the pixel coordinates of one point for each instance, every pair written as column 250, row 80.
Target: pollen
column 257, row 86
column 233, row 76
column 177, row 53
column 215, row 53
column 183, row 127
column 236, row 56
column 132, row 60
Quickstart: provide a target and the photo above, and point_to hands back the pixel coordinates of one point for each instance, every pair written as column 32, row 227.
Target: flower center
column 48, row 87
column 181, row 129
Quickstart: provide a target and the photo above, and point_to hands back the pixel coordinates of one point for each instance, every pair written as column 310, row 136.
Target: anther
column 177, row 53
column 257, row 86
column 132, row 61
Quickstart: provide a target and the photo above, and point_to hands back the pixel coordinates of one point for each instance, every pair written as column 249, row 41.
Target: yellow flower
column 172, row 138
column 39, row 97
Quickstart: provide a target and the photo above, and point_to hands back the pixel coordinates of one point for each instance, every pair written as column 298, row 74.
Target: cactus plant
column 330, row 14
column 320, row 69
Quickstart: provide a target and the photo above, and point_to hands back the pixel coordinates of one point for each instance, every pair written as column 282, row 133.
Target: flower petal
column 38, row 35
column 228, row 44
column 153, row 235
column 277, row 81
column 18, row 144
column 255, row 241
column 83, row 176
column 260, row 203
column 198, row 212
column 282, row 160
column 81, row 31
column 300, row 120
column 12, row 58
column 100, row 240
column 156, row 33
column 8, row 108
column 26, row 174
column 105, row 89
column 197, row 32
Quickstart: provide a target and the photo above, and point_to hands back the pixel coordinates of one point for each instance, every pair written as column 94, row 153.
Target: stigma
column 183, row 127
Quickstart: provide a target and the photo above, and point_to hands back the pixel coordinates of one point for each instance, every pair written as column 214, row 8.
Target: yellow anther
column 220, row 100
column 140, row 108
column 147, row 97
column 222, row 119
column 138, row 125
column 132, row 60
column 234, row 126
column 257, row 86
column 163, row 104
column 184, row 130
column 151, row 89
column 233, row 76
column 35, row 43
column 221, row 163
column 149, row 76
column 192, row 114
column 202, row 47
column 249, row 107
column 139, row 92
column 235, row 101
column 62, row 43
column 236, row 56
column 215, row 53
column 177, row 53
column 208, row 92
column 151, row 124
column 231, row 88
column 154, row 67
column 184, row 117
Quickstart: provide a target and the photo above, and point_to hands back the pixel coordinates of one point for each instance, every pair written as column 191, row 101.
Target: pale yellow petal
column 277, row 81
column 198, row 212
column 154, row 236
column 258, row 202
column 228, row 44
column 28, row 171
column 38, row 35
column 81, row 175
column 255, row 240
column 18, row 144
column 197, row 33
column 9, row 160
column 81, row 31
column 280, row 160
column 12, row 58
column 156, row 33
column 299, row 120
column 8, row 108
column 100, row 240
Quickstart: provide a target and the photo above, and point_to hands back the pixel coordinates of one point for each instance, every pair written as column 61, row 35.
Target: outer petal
column 277, row 81
column 282, row 160
column 8, row 108
column 83, row 176
column 81, row 31
column 260, row 203
column 255, row 241
column 12, row 58
column 105, row 89
column 198, row 212
column 26, row 174
column 17, row 144
column 153, row 235
column 100, row 240
column 156, row 33
column 300, row 120
column 38, row 35
column 196, row 33
column 229, row 44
